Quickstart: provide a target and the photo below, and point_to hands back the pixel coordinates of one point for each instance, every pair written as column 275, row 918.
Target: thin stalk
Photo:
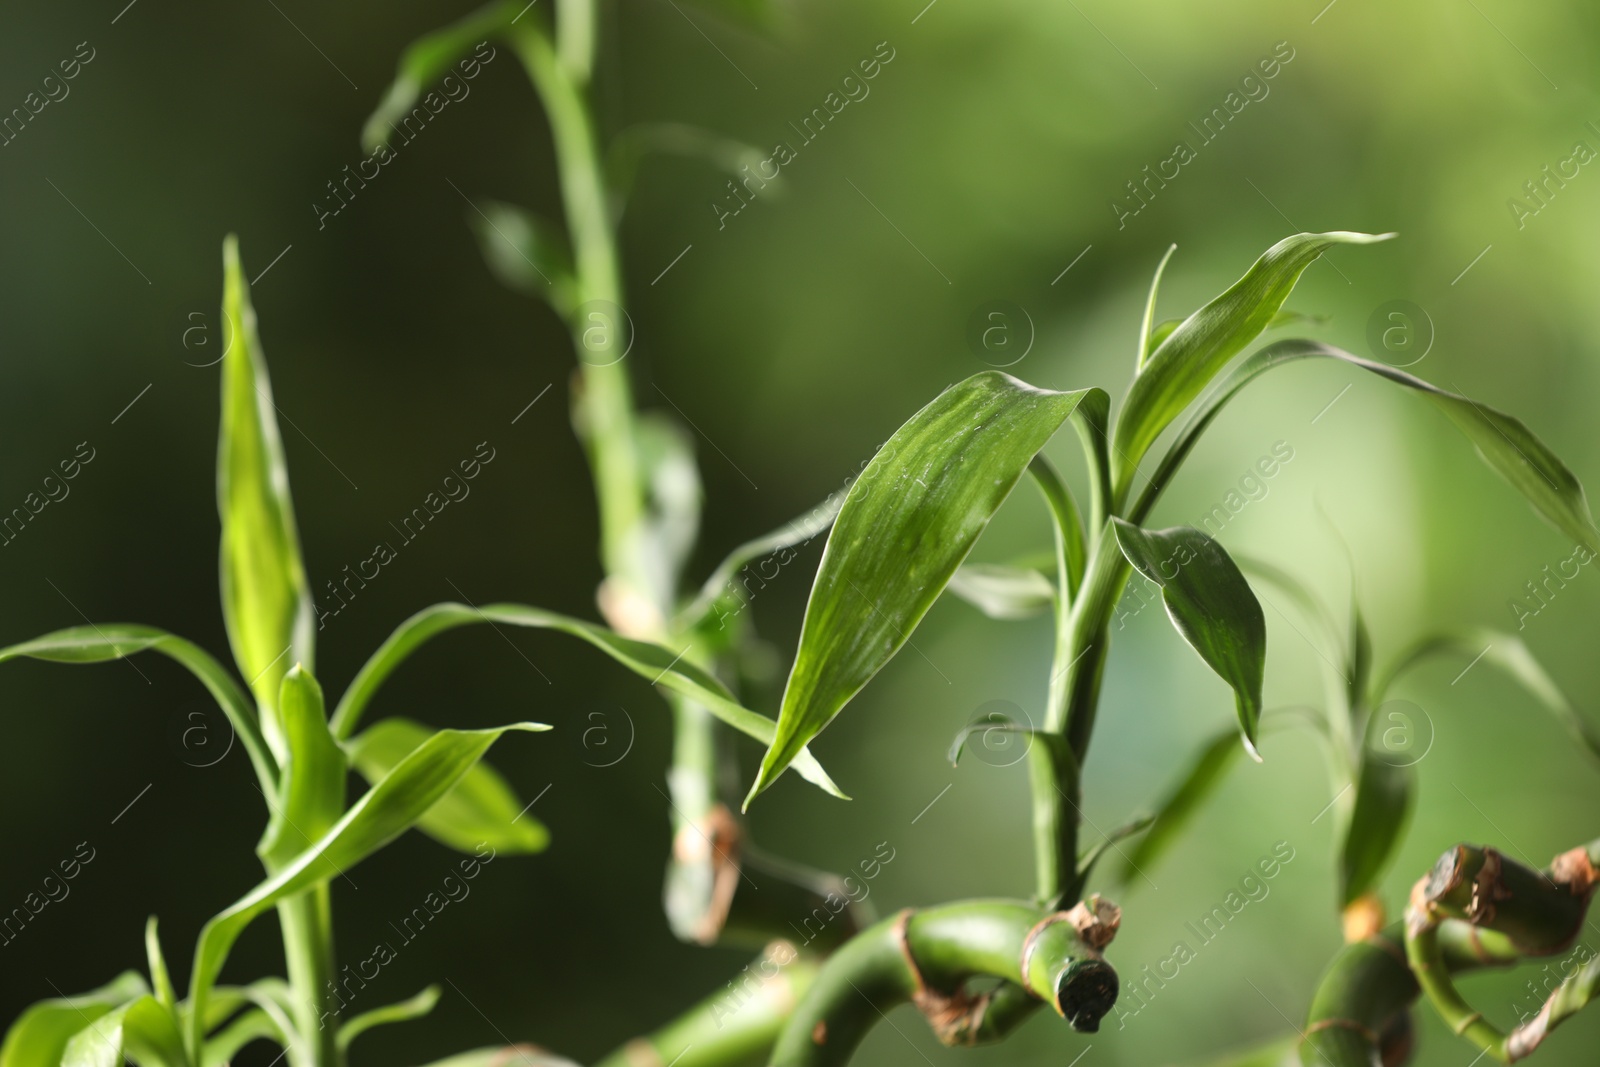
column 606, row 402
column 307, row 924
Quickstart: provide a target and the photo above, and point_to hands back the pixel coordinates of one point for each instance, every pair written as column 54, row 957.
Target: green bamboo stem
column 1523, row 911
column 306, row 921
column 605, row 404
column 733, row 1027
column 927, row 957
column 1360, row 1013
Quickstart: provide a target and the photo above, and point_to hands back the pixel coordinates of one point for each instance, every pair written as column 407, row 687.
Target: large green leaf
column 312, row 797
column 1384, row 793
column 383, row 813
column 115, row 640
column 1178, row 808
column 141, row 1030
column 1204, row 343
column 1503, row 441
column 1211, row 605
column 40, row 1034
column 906, row 525
column 482, row 808
column 1508, row 652
column 429, row 59
column 265, row 601
column 661, row 665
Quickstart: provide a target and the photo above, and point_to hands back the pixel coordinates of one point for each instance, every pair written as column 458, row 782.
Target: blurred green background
column 984, row 161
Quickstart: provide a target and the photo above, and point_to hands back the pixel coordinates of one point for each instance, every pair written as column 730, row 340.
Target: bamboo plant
column 898, row 541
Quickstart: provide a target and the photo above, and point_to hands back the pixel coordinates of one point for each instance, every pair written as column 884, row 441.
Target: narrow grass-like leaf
column 1384, row 793
column 406, row 1010
column 39, row 1036
column 160, row 979
column 253, row 1025
column 1147, row 344
column 482, row 808
column 383, row 813
column 427, row 60
column 906, row 525
column 115, row 640
column 265, row 601
column 1207, row 340
column 1178, row 808
column 1508, row 446
column 1003, row 592
column 312, row 797
column 657, row 663
column 1211, row 605
column 525, row 252
column 1068, row 522
column 1508, row 652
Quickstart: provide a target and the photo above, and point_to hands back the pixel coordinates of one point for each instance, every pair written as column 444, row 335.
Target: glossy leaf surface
column 906, row 525
column 1211, row 605
column 386, row 811
column 39, row 1036
column 481, row 809
column 1196, row 350
column 265, row 601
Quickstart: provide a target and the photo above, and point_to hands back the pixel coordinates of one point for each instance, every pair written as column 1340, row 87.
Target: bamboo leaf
column 661, row 665
column 404, row 1011
column 312, row 797
column 525, row 253
column 39, row 1036
column 1069, row 549
column 1147, row 340
column 140, row 1030
column 1211, row 605
column 383, row 813
column 1178, row 808
column 1207, row 340
column 1509, row 653
column 110, row 641
column 482, row 808
column 427, row 60
column 905, row 527
column 251, row 1026
column 159, row 976
column 265, row 601
column 1384, row 794
column 1003, row 592
column 1503, row 442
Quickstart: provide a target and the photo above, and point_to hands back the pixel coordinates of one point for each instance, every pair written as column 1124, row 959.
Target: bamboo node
column 1575, row 870
column 1487, row 889
column 1096, row 921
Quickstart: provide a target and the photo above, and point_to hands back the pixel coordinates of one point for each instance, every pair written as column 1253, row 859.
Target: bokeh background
column 984, row 162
